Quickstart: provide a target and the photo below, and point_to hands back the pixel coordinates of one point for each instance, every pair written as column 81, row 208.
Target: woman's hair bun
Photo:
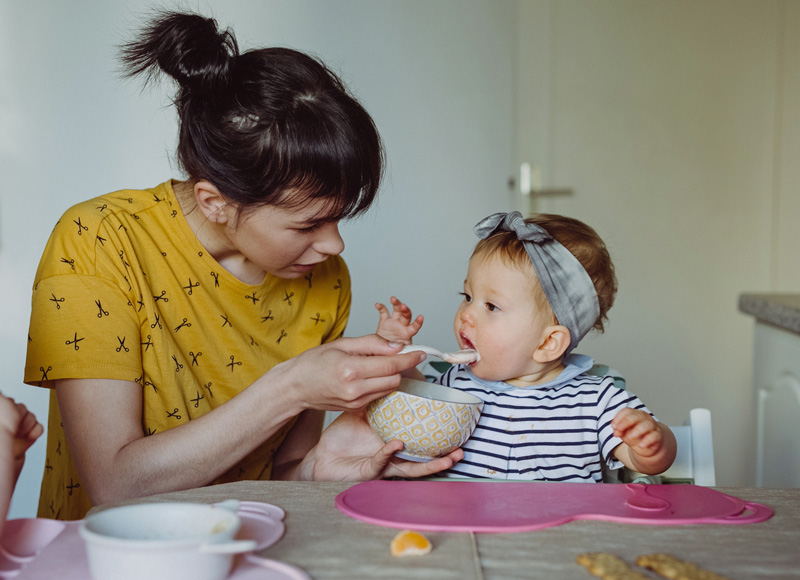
column 188, row 47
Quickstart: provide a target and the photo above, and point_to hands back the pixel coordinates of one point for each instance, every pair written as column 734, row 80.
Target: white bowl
column 431, row 420
column 163, row 541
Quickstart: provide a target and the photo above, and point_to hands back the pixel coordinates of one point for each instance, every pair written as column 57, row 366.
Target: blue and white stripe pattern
column 558, row 431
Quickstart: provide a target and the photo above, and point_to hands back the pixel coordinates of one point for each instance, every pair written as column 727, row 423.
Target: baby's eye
column 467, row 297
column 491, row 307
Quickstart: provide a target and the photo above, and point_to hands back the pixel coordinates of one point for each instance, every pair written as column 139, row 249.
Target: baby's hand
column 638, row 430
column 397, row 326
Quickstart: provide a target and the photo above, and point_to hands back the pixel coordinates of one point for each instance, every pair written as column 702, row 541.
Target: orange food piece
column 409, row 543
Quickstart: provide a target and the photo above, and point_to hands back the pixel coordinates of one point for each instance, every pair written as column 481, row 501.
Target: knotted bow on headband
column 567, row 286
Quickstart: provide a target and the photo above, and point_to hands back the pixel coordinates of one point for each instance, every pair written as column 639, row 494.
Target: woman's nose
column 330, row 241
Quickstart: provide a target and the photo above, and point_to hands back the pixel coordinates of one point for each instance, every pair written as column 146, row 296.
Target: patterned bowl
column 431, row 420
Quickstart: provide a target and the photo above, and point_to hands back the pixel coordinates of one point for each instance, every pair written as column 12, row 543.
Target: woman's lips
column 305, row 267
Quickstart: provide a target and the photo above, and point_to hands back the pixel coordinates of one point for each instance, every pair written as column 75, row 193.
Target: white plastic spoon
column 457, row 358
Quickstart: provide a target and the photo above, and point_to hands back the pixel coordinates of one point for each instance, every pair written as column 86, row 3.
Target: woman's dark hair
column 261, row 123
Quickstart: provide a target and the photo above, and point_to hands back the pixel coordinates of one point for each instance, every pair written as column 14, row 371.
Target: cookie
column 675, row 569
column 608, row 566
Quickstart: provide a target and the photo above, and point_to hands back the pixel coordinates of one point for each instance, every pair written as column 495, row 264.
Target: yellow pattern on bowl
column 431, row 420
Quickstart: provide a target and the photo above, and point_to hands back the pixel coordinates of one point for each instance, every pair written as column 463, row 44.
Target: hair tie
column 568, row 288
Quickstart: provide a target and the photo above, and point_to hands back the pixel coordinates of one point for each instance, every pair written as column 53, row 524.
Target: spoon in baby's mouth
column 459, row 357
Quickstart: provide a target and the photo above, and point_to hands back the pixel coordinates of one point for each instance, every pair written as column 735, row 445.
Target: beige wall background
column 675, row 125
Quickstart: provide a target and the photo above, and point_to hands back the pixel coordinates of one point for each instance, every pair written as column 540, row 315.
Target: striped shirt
column 556, row 431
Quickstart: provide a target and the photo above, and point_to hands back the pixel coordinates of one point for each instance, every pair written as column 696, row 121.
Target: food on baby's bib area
column 409, row 543
column 608, row 567
column 675, row 569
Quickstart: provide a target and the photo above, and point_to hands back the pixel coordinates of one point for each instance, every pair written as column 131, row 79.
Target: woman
column 191, row 332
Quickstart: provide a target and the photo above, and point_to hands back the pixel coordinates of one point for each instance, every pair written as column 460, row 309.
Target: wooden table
column 330, row 545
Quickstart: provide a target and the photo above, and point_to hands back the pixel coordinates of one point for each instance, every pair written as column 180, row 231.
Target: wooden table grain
column 329, row 545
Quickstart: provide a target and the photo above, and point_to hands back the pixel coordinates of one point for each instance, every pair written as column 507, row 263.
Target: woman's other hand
column 349, row 450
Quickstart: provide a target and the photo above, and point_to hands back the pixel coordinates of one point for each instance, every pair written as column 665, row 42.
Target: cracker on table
column 608, row 566
column 676, row 569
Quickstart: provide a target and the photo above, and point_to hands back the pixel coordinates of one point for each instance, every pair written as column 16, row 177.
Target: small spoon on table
column 459, row 357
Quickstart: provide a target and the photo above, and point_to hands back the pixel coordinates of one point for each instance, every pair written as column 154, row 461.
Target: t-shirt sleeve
column 610, row 401
column 83, row 323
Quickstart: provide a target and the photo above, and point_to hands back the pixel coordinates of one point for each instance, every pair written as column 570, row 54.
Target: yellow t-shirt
column 125, row 291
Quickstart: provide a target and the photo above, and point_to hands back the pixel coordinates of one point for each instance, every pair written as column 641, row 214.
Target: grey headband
column 567, row 286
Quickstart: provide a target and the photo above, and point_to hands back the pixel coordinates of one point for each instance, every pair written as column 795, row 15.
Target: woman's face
column 286, row 242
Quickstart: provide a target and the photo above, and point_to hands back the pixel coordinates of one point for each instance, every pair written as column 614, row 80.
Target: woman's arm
column 299, row 441
column 103, row 419
column 103, row 425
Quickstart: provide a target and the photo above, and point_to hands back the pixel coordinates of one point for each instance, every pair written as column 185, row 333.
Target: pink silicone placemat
column 477, row 506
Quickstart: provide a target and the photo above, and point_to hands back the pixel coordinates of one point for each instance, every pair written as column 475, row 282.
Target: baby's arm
column 399, row 327
column 647, row 446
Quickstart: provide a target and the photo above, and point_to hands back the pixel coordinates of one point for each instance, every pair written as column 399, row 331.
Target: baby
column 534, row 288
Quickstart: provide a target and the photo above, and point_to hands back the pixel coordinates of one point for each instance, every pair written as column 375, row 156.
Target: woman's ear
column 211, row 202
column 555, row 341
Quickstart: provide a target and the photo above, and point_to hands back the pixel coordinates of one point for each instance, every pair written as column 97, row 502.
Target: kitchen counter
column 780, row 310
column 776, row 386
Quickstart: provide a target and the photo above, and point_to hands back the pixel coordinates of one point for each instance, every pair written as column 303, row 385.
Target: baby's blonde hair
column 580, row 239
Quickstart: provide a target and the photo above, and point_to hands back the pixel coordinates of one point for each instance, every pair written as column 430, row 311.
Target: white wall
column 437, row 77
column 675, row 124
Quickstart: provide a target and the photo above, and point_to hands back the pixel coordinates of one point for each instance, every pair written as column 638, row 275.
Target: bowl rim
column 98, row 537
column 439, row 392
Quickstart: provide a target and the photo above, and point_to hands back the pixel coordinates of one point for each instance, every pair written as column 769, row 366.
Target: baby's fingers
column 648, row 444
column 383, row 312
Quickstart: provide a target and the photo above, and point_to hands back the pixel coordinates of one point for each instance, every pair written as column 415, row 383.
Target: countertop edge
column 780, row 310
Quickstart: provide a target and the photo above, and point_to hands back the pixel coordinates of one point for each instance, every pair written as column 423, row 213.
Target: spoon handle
column 429, row 350
column 458, row 357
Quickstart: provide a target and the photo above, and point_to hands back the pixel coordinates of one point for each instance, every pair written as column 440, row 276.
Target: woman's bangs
column 331, row 168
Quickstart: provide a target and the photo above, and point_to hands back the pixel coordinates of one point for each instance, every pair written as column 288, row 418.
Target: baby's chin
column 483, row 372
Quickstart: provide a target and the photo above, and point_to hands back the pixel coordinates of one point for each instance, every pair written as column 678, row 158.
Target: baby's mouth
column 468, row 344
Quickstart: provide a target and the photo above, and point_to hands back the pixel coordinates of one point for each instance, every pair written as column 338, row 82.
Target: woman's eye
column 309, row 229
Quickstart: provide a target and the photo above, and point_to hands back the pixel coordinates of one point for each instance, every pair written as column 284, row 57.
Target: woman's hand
column 345, row 374
column 349, row 450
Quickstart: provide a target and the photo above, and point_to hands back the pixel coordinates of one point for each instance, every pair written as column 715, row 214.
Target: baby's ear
column 555, row 341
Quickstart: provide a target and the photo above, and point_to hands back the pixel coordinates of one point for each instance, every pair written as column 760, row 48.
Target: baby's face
column 498, row 317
